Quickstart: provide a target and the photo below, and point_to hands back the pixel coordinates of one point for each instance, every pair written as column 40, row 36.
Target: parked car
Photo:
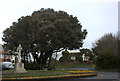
column 7, row 65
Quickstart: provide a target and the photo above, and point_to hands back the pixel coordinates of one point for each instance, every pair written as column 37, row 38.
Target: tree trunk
column 49, row 60
column 24, row 57
column 45, row 57
column 33, row 56
column 55, row 60
column 41, row 57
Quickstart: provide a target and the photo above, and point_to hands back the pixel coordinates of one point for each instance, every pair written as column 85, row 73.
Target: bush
column 65, row 57
column 79, row 59
column 32, row 66
column 105, row 60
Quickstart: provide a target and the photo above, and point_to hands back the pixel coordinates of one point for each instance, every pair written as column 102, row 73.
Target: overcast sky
column 97, row 16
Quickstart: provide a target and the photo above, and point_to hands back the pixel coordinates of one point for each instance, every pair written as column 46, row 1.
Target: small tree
column 107, row 47
column 106, row 42
column 105, row 60
column 65, row 57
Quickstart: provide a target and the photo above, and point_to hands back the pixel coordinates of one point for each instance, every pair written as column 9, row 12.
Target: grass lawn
column 40, row 73
column 32, row 73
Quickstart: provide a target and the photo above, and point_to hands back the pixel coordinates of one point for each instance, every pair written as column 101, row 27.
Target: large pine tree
column 44, row 32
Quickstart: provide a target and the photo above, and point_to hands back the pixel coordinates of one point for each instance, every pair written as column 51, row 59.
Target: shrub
column 105, row 60
column 80, row 59
column 32, row 66
column 65, row 57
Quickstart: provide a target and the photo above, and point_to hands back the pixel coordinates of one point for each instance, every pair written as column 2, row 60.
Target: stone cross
column 19, row 49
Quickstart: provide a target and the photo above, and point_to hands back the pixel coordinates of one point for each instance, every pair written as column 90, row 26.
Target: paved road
column 101, row 75
column 105, row 75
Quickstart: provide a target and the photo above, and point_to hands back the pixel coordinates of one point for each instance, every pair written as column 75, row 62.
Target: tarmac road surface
column 101, row 74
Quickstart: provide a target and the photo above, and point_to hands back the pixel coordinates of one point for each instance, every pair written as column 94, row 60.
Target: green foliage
column 65, row 57
column 107, row 48
column 87, row 52
column 106, row 42
column 80, row 59
column 32, row 66
column 44, row 32
column 105, row 60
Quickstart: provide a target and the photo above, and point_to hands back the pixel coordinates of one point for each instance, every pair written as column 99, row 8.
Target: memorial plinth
column 20, row 68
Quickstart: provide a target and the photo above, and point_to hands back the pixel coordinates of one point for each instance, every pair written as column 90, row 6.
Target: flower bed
column 83, row 71
column 58, row 76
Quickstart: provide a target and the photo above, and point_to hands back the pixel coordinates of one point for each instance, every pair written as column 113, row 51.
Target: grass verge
column 39, row 74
